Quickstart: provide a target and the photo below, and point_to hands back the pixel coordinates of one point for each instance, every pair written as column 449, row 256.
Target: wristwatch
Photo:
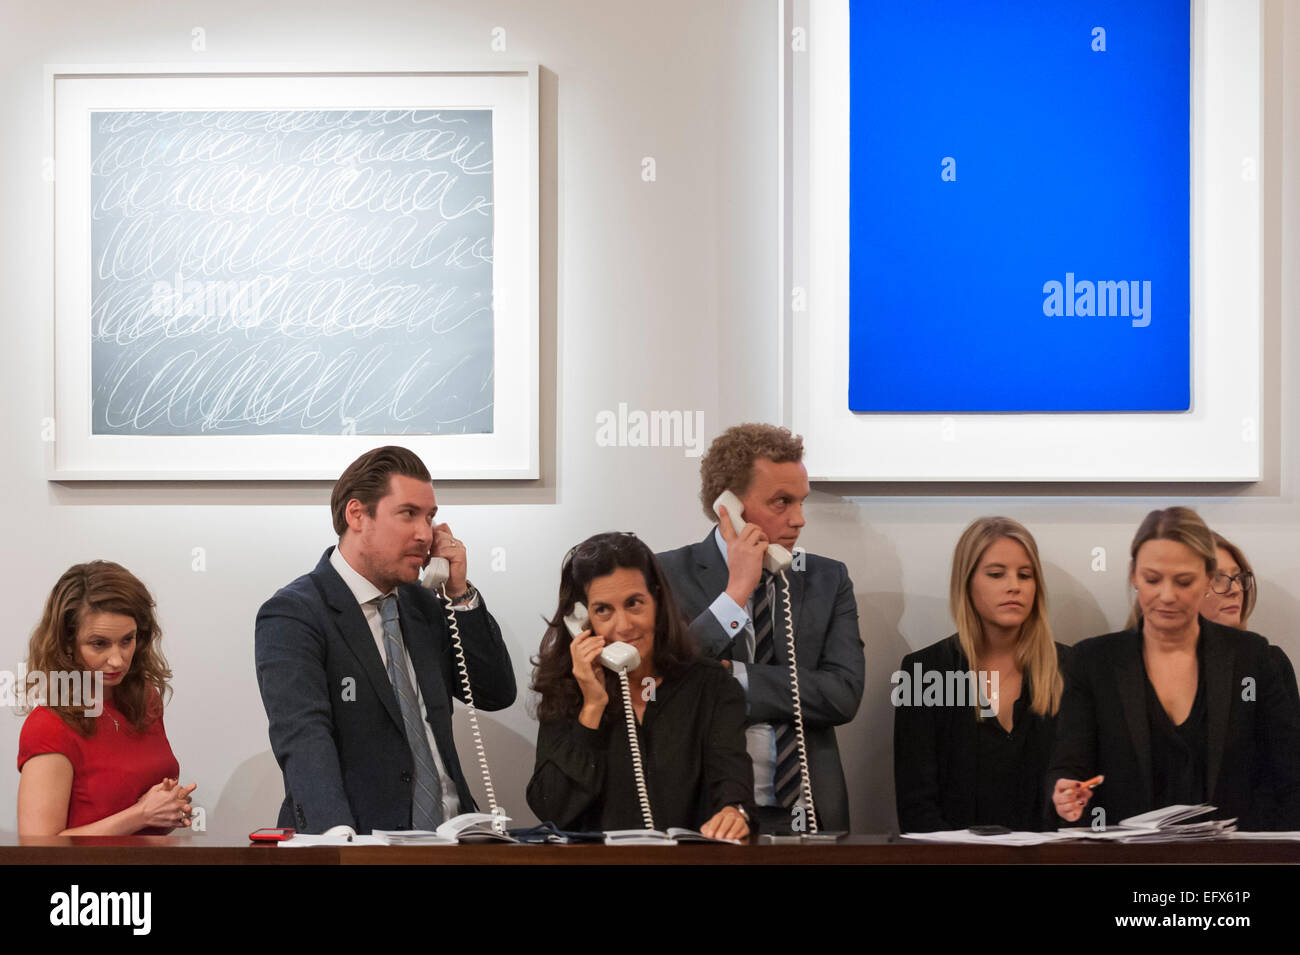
column 741, row 809
column 462, row 599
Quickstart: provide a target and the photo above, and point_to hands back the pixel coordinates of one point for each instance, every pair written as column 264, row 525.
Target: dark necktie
column 786, row 780
column 426, row 809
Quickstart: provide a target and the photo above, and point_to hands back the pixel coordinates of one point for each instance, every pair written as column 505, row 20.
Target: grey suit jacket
column 335, row 723
column 827, row 646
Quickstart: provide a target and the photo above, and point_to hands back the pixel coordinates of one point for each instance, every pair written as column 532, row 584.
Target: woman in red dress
column 98, row 763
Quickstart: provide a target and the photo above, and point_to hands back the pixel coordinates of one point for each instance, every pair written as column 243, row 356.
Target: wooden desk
column 852, row 850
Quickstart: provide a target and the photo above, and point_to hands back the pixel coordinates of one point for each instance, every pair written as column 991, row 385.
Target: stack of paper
column 1160, row 825
column 638, row 837
column 477, row 827
column 1169, row 816
column 465, row 828
column 1171, row 825
column 412, row 837
column 678, row 834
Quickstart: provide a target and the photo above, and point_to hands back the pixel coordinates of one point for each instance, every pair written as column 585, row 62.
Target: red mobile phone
column 270, row 835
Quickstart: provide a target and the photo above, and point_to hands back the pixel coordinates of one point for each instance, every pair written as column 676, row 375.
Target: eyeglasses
column 1222, row 583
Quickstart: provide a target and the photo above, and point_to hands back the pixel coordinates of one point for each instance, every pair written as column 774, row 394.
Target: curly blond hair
column 728, row 465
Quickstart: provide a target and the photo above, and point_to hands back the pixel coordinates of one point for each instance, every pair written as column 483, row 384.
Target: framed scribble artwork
column 258, row 275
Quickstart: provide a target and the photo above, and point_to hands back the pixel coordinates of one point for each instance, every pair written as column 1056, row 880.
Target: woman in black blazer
column 1230, row 601
column 959, row 760
column 1178, row 709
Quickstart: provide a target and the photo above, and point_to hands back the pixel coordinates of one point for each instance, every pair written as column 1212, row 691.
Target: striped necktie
column 786, row 780
column 426, row 809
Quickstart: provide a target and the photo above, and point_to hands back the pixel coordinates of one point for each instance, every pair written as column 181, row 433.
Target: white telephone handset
column 620, row 658
column 777, row 557
column 616, row 656
column 778, row 560
column 436, row 573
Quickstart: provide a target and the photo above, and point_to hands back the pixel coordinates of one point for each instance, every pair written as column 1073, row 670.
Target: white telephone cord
column 498, row 817
column 642, row 795
column 805, row 776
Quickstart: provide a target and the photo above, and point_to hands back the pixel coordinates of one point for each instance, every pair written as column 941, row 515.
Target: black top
column 1178, row 752
column 1007, row 790
column 954, row 769
column 692, row 748
column 1252, row 735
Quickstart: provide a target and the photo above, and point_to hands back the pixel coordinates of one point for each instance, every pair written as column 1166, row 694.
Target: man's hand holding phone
column 451, row 550
column 745, row 553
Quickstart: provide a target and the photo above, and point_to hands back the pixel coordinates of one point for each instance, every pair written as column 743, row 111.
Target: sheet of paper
column 1112, row 833
column 1291, row 836
column 302, row 840
column 1004, row 839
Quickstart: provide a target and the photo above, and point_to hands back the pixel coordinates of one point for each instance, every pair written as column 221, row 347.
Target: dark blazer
column 827, row 645
column 335, row 724
column 1253, row 743
column 935, row 750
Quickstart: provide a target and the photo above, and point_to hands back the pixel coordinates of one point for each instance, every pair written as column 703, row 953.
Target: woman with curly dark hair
column 689, row 712
column 98, row 763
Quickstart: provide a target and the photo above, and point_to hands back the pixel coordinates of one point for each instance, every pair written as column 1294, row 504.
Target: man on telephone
column 356, row 665
column 732, row 589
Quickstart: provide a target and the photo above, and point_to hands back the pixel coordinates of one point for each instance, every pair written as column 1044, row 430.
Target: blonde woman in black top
column 980, row 759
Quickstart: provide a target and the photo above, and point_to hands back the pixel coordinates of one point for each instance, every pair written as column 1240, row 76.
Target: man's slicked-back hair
column 367, row 479
column 728, row 465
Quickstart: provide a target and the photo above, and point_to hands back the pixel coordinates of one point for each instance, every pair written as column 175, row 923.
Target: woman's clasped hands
column 167, row 805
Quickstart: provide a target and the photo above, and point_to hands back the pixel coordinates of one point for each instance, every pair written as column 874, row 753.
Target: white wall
column 641, row 285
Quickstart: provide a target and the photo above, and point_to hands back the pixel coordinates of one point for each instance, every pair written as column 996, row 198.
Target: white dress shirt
column 368, row 596
column 760, row 738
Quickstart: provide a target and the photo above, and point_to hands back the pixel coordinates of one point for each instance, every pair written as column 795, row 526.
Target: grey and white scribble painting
column 291, row 272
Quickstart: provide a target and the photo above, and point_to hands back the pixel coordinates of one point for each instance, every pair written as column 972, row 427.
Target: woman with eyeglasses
column 1177, row 709
column 1230, row 598
column 688, row 713
column 1230, row 601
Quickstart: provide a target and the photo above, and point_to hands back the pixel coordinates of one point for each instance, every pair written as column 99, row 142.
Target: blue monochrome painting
column 1020, row 206
column 300, row 272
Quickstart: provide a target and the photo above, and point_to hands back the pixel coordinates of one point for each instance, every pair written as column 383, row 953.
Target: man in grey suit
column 356, row 664
column 737, row 614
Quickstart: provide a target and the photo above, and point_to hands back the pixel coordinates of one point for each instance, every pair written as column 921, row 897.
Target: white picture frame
column 508, row 451
column 1218, row 440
